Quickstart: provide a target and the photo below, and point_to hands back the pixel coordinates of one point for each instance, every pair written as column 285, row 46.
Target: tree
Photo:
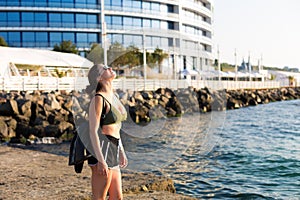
column 3, row 42
column 66, row 47
column 159, row 57
column 130, row 57
column 96, row 54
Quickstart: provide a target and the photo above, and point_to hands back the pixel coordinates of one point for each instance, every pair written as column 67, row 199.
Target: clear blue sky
column 270, row 28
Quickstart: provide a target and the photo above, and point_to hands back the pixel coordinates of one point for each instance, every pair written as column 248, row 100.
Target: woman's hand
column 123, row 162
column 102, row 168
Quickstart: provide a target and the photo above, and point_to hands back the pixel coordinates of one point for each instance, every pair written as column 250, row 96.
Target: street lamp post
column 219, row 65
column 144, row 59
column 103, row 31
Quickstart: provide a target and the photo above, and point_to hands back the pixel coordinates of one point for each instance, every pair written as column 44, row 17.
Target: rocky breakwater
column 243, row 98
column 27, row 117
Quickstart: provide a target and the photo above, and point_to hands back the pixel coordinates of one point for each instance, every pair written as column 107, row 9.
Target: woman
column 105, row 116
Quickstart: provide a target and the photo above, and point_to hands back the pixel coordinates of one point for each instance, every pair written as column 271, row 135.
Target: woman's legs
column 115, row 189
column 100, row 184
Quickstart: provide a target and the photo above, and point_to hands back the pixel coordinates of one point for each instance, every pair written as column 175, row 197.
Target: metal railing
column 80, row 83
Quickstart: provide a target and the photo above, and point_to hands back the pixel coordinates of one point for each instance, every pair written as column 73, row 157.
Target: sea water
column 249, row 153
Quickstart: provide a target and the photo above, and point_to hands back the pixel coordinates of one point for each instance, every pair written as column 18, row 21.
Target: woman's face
column 106, row 73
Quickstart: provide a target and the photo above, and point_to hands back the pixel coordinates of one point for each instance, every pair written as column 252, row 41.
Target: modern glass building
column 182, row 28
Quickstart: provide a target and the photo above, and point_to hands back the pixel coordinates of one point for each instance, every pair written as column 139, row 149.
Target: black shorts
column 110, row 151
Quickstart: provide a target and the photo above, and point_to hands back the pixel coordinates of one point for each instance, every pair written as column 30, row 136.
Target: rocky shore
column 37, row 172
column 27, row 117
column 41, row 171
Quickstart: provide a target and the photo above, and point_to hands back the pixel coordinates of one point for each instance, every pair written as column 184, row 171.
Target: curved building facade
column 182, row 28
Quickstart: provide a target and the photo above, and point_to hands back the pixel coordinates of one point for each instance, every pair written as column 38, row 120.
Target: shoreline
column 32, row 173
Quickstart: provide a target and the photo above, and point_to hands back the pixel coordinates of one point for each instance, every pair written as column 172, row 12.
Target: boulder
column 9, row 108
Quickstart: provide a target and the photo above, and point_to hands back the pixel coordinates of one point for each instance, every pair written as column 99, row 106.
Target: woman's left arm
column 123, row 161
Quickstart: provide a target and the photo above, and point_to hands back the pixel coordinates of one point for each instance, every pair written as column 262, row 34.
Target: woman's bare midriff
column 112, row 130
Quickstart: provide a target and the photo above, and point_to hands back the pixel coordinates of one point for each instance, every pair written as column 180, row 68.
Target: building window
column 54, row 20
column 68, row 20
column 41, row 39
column 55, row 38
column 69, row 37
column 28, row 39
column 146, row 23
column 155, row 7
column 14, row 38
column 137, row 4
column 13, row 18
column 40, row 19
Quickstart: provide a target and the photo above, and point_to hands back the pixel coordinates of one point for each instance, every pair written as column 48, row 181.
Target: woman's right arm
column 94, row 122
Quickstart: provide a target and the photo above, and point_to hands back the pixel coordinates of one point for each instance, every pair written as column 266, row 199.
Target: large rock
column 9, row 108
column 3, row 129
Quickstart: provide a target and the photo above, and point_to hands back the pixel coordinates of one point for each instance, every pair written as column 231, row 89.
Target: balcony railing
column 49, row 4
column 49, row 25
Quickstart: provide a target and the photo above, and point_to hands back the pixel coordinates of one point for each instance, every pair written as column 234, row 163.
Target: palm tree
column 291, row 80
column 3, row 42
column 159, row 56
column 66, row 47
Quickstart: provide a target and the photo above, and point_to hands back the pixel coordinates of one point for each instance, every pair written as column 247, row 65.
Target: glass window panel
column 146, row 5
column 164, row 42
column 3, row 16
column 107, row 2
column 4, row 35
column 170, row 42
column 171, row 25
column 13, row 2
column 136, row 4
column 55, row 3
column 28, row 37
column 81, row 37
column 155, row 24
column 127, row 3
column 138, row 40
column 27, row 2
column 91, row 1
column 156, row 41
column 170, row 8
column 81, row 18
column 69, row 36
column 80, row 3
column 154, row 6
column 92, row 19
column 54, row 17
column 117, row 2
column 13, row 16
column 55, row 37
column 27, row 17
column 137, row 22
column 40, row 2
column 117, row 38
column 41, row 37
column 146, row 23
column 40, row 17
column 128, row 40
column 14, row 36
column 92, row 37
column 163, row 8
column 127, row 21
column 117, row 20
column 108, row 19
column 164, row 24
column 68, row 17
column 68, row 3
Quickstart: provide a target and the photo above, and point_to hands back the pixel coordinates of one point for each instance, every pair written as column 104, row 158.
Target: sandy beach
column 41, row 173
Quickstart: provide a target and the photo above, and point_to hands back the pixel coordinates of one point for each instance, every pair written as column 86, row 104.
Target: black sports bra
column 109, row 117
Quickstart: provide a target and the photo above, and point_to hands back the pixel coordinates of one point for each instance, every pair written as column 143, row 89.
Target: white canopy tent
column 37, row 57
